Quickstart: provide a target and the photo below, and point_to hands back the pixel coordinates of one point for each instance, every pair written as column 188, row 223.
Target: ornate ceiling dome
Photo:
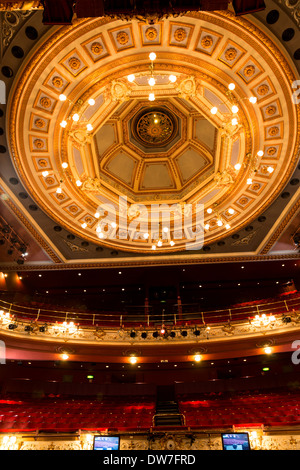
column 173, row 151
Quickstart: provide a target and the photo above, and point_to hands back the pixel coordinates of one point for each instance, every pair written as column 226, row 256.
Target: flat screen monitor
column 106, row 442
column 236, row 441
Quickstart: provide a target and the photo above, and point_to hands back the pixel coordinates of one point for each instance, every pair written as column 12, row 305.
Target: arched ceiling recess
column 193, row 161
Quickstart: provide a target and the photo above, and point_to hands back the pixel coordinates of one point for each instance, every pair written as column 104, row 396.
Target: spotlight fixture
column 12, row 326
column 144, row 334
column 196, row 331
column 197, row 357
column 132, row 334
column 28, row 328
column 172, row 334
column 183, row 333
column 155, row 334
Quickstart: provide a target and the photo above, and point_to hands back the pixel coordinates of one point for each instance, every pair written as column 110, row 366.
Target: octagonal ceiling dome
column 200, row 152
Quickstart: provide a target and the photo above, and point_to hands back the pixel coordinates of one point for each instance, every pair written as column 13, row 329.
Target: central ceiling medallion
column 154, row 127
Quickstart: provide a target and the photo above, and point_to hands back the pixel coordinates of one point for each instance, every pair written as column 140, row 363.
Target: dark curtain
column 242, row 7
column 58, row 12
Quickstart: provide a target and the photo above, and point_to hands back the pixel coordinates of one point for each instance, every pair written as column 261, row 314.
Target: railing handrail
column 200, row 317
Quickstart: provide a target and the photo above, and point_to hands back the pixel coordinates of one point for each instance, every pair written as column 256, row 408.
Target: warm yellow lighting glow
column 209, row 210
column 151, row 97
column 235, row 109
column 253, row 99
column 249, row 181
column 231, row 211
column 131, row 78
column 91, row 102
column 97, row 215
column 59, row 190
column 268, row 350
column 45, row 173
column 197, row 357
column 172, row 78
column 63, row 124
column 237, row 166
column 260, row 153
column 64, row 357
column 153, row 247
column 231, row 86
column 64, row 165
column 146, row 235
column 133, row 360
column 152, row 56
column 89, row 127
column 234, row 122
column 214, row 110
column 219, row 223
column 206, row 226
column 172, row 243
column 84, row 225
column 270, row 169
column 62, row 97
column 151, row 81
column 78, row 183
column 75, row 117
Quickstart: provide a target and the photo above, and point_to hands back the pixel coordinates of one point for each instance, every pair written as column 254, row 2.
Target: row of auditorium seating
column 274, row 408
column 219, row 410
column 68, row 415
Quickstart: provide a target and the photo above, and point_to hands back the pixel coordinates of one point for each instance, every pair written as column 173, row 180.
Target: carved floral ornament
column 110, row 81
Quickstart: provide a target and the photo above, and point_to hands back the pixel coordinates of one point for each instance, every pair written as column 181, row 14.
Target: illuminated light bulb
column 231, row 86
column 172, row 243
column 151, row 81
column 237, row 166
column 172, row 78
column 62, row 97
column 270, row 169
column 64, row 165
column 235, row 109
column 234, row 122
column 131, row 78
column 227, row 226
column 114, row 225
column 209, row 210
column 268, row 350
column 260, row 153
column 231, row 211
column 253, row 99
column 98, row 229
column 146, row 236
column 75, row 117
column 64, row 357
column 206, row 226
column 89, row 127
column 59, row 190
column 214, row 110
column 84, row 225
column 197, row 357
column 100, row 235
column 153, row 247
column 152, row 56
column 219, row 223
column 91, row 101
column 151, row 97
column 159, row 243
column 78, row 183
column 165, row 229
column 63, row 124
column 133, row 360
column 45, row 173
column 97, row 215
column 249, row 181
